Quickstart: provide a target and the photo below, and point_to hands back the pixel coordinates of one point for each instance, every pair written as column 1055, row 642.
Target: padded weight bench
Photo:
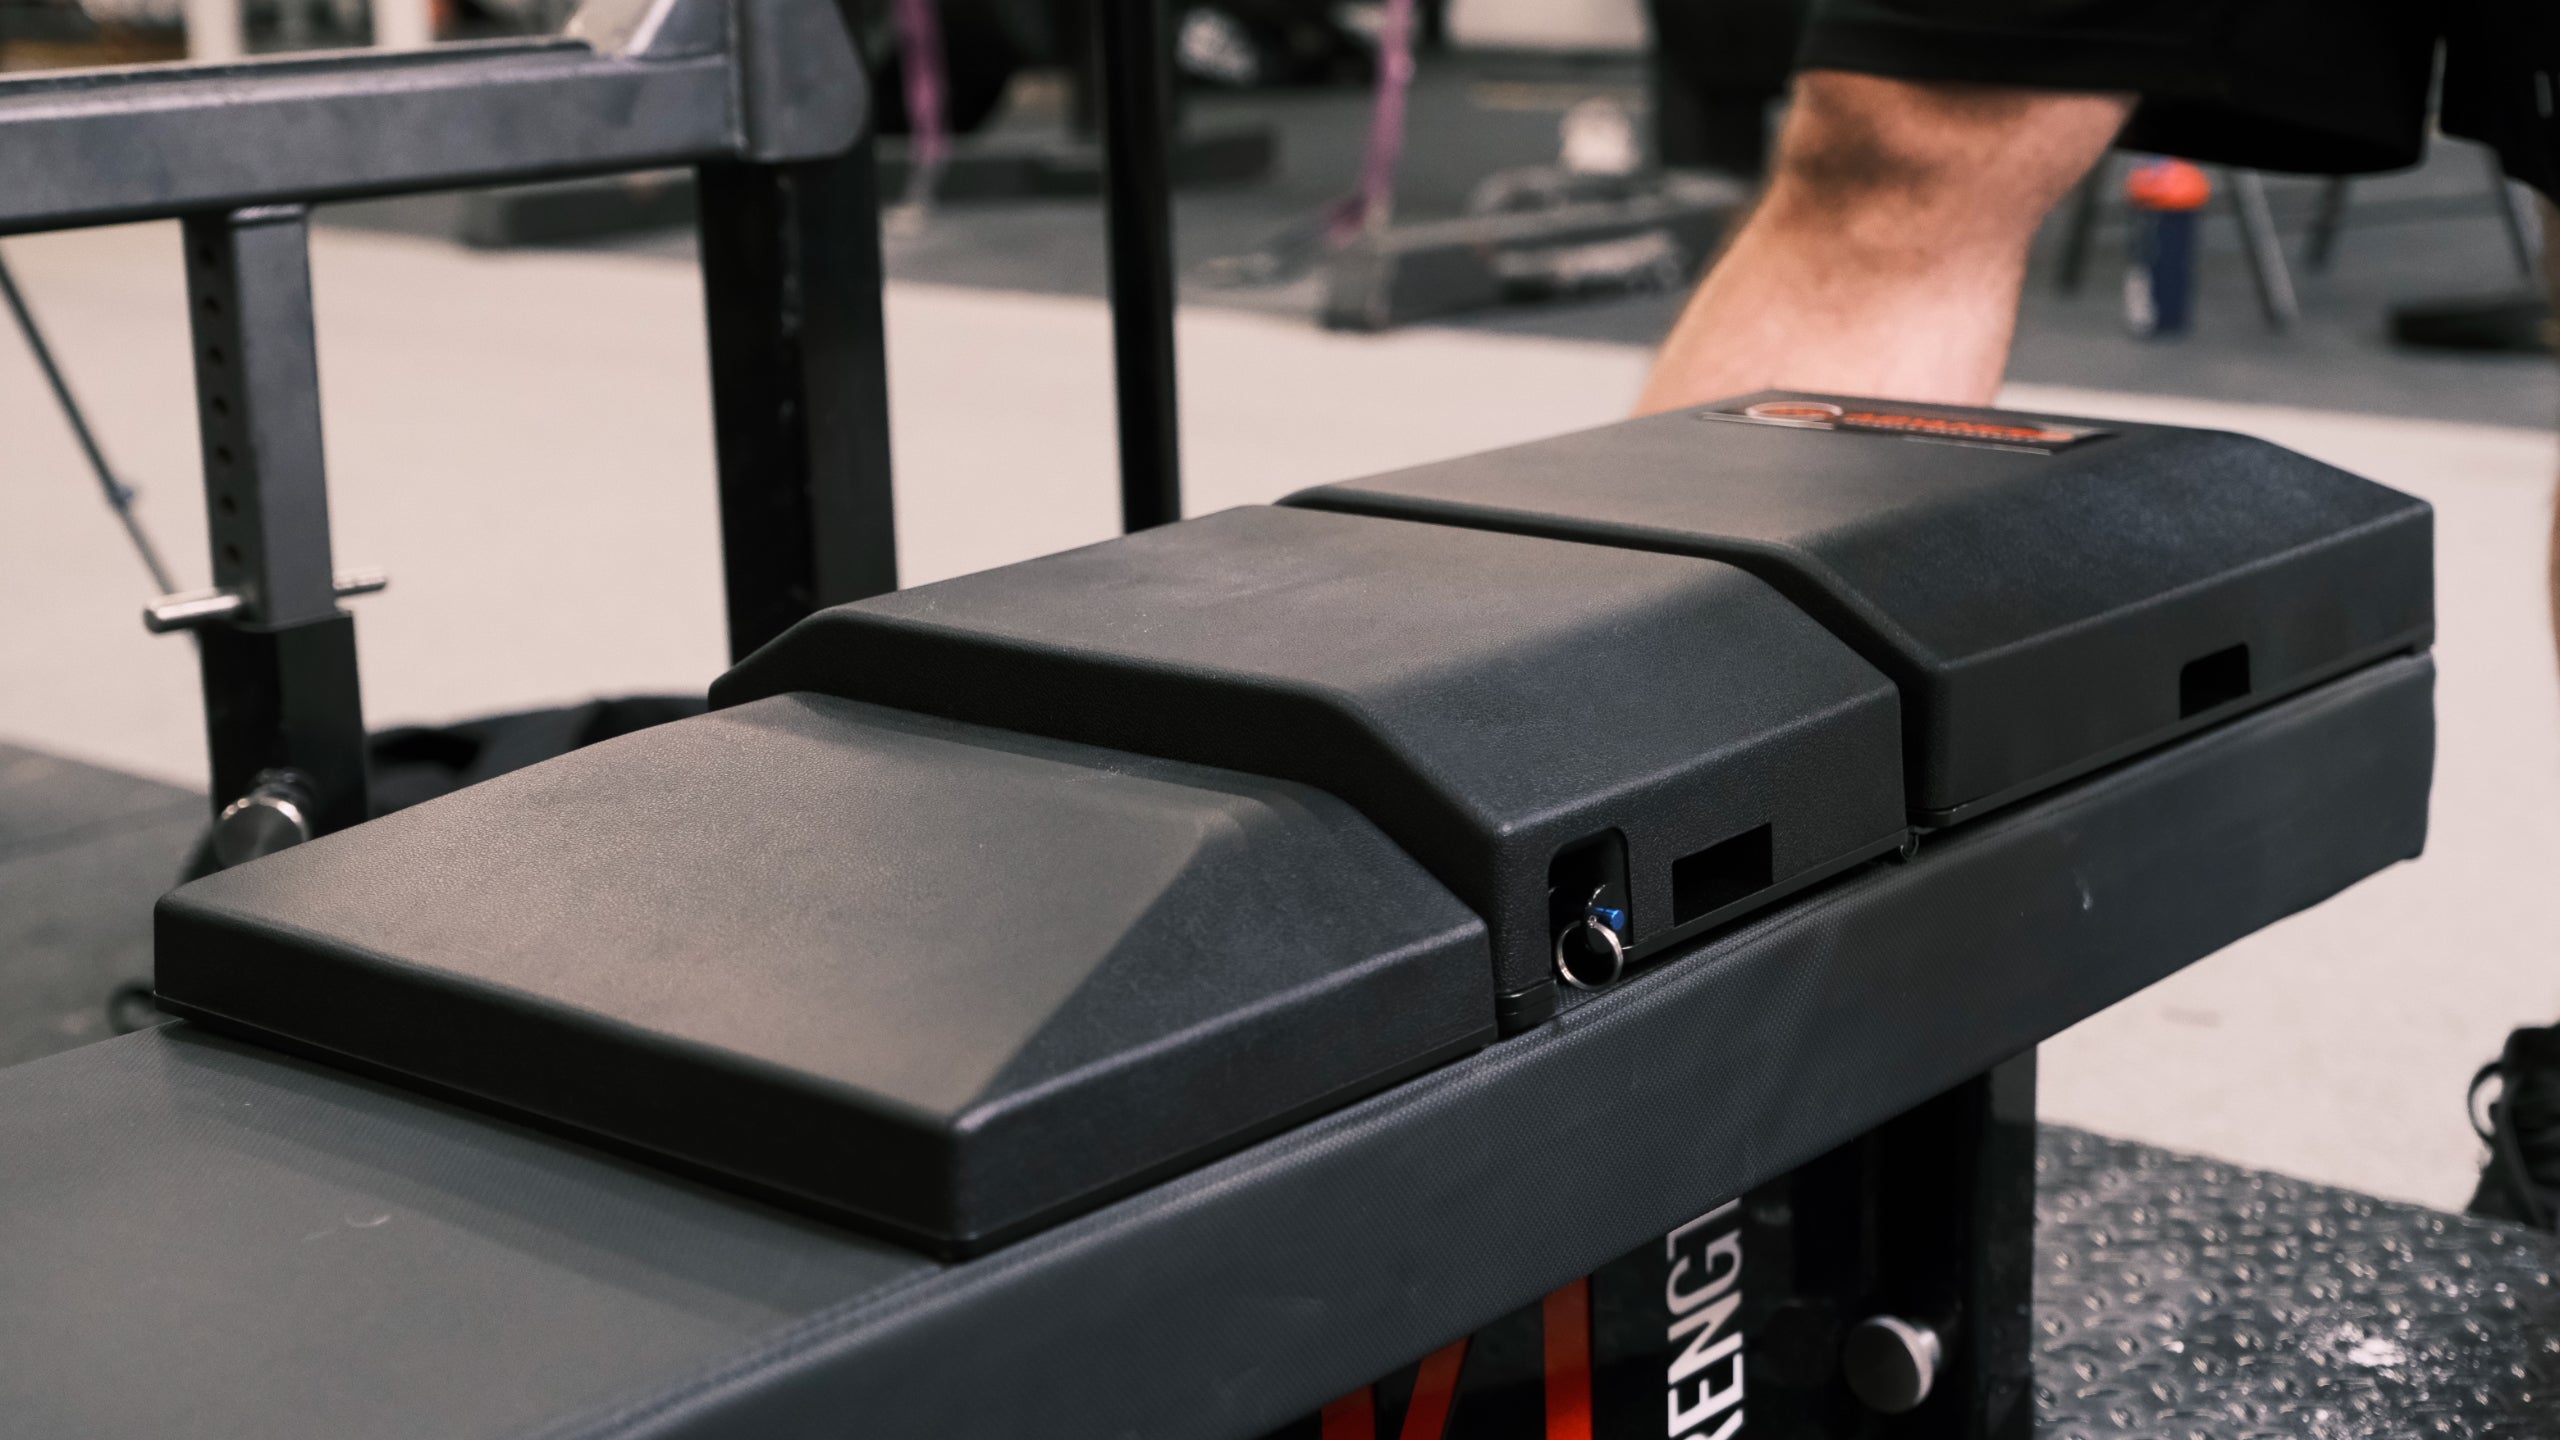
column 1159, row 988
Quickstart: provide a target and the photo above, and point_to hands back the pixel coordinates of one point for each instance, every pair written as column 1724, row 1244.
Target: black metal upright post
column 799, row 388
column 1907, row 1267
column 1137, row 126
column 1954, row 1205
column 282, row 711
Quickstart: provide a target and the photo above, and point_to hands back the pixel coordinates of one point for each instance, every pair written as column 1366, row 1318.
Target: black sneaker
column 2521, row 1182
column 2520, row 324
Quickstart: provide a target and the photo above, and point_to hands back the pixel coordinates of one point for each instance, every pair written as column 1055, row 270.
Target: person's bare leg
column 1886, row 256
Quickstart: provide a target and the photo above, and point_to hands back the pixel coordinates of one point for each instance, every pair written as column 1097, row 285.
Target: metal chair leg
column 2516, row 214
column 2081, row 227
column 2326, row 222
column 2267, row 265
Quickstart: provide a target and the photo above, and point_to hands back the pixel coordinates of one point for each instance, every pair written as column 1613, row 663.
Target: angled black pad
column 1486, row 699
column 947, row 982
column 2050, row 595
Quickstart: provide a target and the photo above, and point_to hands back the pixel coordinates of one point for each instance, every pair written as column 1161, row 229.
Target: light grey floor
column 523, row 441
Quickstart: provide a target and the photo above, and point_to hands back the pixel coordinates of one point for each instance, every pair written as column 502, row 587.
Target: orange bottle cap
column 2168, row 185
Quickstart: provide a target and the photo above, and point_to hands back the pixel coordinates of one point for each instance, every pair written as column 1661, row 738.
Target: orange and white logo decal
column 1988, row 428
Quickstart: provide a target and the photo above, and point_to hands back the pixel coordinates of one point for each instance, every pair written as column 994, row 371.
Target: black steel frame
column 767, row 98
column 799, row 388
column 1137, row 105
column 280, row 673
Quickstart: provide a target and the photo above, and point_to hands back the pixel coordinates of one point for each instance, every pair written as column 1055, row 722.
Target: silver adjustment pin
column 193, row 608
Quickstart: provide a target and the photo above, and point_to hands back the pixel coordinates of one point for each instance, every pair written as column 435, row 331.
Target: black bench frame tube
column 1137, row 122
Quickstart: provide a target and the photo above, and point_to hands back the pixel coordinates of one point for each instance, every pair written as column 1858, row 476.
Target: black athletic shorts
column 2326, row 86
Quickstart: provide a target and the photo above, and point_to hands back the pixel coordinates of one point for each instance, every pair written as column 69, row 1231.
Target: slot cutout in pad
column 2210, row 682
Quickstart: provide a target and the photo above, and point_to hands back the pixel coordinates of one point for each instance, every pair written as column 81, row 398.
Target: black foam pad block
column 1490, row 701
column 2051, row 595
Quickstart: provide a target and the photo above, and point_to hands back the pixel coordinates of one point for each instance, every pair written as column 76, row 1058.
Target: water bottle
column 2160, row 286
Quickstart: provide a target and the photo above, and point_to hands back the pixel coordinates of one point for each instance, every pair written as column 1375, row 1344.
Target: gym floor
column 522, row 440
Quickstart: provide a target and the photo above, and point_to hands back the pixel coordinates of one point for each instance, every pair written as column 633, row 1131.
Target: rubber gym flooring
column 2186, row 1298
column 84, row 850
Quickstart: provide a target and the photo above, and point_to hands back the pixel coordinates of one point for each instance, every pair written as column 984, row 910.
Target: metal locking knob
column 275, row 814
column 1891, row 1363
